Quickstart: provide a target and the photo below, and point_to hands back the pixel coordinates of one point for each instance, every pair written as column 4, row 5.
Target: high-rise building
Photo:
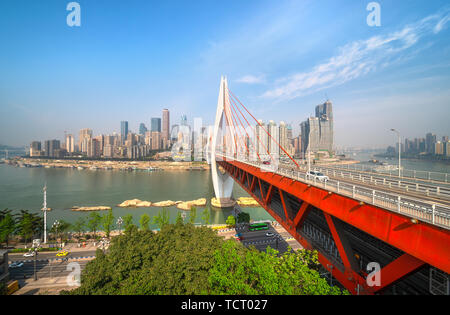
column 261, row 139
column 35, row 148
column 70, row 143
column 142, row 129
column 123, row 130
column 156, row 140
column 439, row 148
column 85, row 136
column 183, row 120
column 430, row 140
column 50, row 147
column 274, row 137
column 165, row 124
column 317, row 132
column 156, row 124
column 285, row 130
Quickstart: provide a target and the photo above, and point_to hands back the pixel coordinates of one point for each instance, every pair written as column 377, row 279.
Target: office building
column 142, row 129
column 165, row 124
column 35, row 148
column 123, row 131
column 70, row 143
column 155, row 125
column 50, row 147
column 83, row 141
column 317, row 132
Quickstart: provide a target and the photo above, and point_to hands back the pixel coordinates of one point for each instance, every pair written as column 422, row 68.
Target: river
column 21, row 188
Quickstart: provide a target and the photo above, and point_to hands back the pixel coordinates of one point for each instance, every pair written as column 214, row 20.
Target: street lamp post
column 399, row 152
column 36, row 244
column 119, row 223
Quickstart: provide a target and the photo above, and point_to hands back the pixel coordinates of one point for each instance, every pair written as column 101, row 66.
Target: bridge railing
column 406, row 173
column 435, row 214
column 441, row 191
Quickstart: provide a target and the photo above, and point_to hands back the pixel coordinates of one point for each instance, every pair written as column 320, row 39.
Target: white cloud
column 251, row 79
column 357, row 59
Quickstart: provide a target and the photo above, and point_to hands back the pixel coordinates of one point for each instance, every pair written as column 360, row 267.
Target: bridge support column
column 222, row 181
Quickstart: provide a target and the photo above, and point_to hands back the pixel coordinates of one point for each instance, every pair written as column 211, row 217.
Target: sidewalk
column 51, row 286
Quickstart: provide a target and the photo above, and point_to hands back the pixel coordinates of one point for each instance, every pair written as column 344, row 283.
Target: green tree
column 79, row 226
column 252, row 272
column 179, row 219
column 29, row 224
column 205, row 216
column 144, row 222
column 60, row 228
column 193, row 215
column 94, row 220
column 231, row 221
column 243, row 217
column 25, row 227
column 184, row 259
column 175, row 261
column 107, row 222
column 7, row 228
column 162, row 218
column 127, row 221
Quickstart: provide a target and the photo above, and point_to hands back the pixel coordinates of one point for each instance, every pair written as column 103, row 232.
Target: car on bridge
column 317, row 175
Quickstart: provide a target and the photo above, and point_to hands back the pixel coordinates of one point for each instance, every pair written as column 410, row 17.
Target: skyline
column 171, row 55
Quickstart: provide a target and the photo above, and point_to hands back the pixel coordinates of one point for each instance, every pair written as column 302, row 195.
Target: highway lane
column 18, row 257
column 420, row 196
column 261, row 241
column 44, row 269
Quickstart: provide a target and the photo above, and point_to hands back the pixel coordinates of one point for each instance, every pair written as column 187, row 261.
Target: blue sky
column 130, row 59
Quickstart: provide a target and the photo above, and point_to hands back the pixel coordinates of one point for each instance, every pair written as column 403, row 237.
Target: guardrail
column 427, row 189
column 431, row 213
column 412, row 174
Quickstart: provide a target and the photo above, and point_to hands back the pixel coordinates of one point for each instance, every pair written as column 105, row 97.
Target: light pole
column 56, row 226
column 45, row 214
column 36, row 244
column 399, row 152
column 119, row 223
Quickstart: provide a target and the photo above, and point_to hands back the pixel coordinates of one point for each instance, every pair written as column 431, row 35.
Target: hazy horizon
column 129, row 60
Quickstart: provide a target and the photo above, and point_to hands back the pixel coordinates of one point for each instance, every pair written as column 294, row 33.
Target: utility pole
column 45, row 213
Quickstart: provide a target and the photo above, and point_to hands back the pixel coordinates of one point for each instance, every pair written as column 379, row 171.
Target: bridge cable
column 264, row 129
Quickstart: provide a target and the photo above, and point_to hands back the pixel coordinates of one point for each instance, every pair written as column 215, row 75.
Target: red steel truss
column 421, row 243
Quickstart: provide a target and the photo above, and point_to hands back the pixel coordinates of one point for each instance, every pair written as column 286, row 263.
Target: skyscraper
column 124, row 130
column 50, row 146
column 317, row 132
column 70, row 143
column 183, row 120
column 142, row 129
column 85, row 136
column 156, row 124
column 165, row 124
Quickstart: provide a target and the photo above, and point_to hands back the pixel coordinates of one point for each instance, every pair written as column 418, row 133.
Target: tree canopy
column 184, row 259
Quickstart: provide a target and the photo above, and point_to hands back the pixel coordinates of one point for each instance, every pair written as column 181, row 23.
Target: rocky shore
column 98, row 208
column 111, row 165
column 182, row 205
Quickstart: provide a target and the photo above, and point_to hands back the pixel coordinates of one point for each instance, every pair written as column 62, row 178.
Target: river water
column 21, row 188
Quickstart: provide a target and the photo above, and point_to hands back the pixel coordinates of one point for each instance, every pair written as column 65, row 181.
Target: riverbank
column 110, row 165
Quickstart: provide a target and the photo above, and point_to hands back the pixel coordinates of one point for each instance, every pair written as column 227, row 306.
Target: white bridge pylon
column 223, row 183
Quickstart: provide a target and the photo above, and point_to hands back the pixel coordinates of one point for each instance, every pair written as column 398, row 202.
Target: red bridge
column 352, row 219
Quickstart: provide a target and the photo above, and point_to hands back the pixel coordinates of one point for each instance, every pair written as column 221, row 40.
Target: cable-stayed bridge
column 353, row 219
